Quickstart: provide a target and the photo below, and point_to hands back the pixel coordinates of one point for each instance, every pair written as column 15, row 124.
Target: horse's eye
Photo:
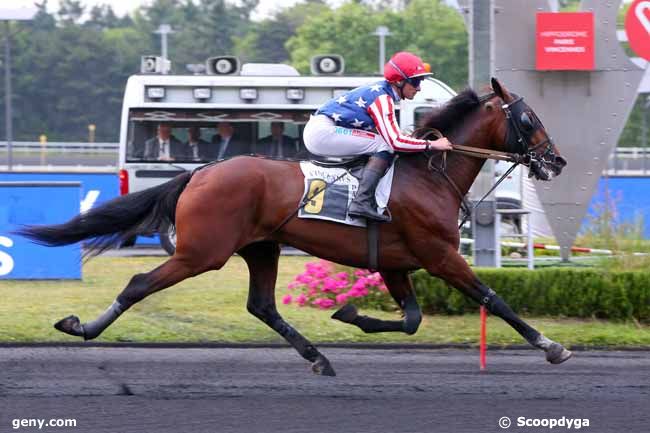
column 526, row 122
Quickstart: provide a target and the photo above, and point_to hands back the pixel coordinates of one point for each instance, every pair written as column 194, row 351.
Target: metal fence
column 633, row 161
column 36, row 155
column 629, row 160
column 60, row 146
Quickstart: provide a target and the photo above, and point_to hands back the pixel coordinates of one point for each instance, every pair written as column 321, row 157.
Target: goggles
column 415, row 81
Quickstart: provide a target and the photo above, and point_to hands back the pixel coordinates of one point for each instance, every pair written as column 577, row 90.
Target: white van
column 250, row 98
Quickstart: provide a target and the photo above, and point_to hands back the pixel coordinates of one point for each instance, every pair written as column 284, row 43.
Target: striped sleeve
column 382, row 112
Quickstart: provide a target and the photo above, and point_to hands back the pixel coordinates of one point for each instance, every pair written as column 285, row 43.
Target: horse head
column 526, row 136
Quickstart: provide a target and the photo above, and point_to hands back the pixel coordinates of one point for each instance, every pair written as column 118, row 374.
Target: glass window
column 200, row 136
column 419, row 114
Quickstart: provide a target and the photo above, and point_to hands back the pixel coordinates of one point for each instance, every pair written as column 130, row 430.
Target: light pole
column 7, row 15
column 382, row 32
column 163, row 30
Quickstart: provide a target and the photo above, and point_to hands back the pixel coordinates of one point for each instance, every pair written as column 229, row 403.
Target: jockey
column 345, row 126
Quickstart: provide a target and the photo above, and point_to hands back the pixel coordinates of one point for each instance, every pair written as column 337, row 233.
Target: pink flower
column 359, row 284
column 330, row 285
column 321, row 287
column 342, row 298
column 303, row 278
column 354, row 293
column 301, row 299
column 361, row 272
column 324, row 303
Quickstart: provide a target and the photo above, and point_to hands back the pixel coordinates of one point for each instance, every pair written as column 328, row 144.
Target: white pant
column 322, row 137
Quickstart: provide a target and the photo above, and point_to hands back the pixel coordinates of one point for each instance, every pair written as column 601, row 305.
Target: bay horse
column 247, row 205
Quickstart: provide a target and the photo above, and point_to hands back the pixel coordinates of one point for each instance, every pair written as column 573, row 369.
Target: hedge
column 566, row 292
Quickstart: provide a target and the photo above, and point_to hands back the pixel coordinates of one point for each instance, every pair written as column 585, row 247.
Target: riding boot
column 364, row 204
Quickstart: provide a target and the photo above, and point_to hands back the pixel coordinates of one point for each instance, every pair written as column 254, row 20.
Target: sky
column 121, row 7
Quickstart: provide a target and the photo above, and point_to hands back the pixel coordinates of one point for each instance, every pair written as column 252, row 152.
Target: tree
column 103, row 17
column 70, row 75
column 429, row 28
column 437, row 33
column 70, row 11
column 265, row 42
column 346, row 31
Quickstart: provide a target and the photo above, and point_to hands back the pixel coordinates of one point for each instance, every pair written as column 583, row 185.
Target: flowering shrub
column 324, row 286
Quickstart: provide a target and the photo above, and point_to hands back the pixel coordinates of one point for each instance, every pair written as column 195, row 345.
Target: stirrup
column 363, row 213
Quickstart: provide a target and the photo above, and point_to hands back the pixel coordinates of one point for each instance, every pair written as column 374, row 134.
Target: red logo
column 364, row 134
column 565, row 41
column 637, row 26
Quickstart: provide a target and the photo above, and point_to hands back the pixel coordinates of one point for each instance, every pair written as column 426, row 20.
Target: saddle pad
column 332, row 202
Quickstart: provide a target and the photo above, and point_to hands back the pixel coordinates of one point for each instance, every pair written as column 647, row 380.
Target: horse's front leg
column 400, row 287
column 455, row 270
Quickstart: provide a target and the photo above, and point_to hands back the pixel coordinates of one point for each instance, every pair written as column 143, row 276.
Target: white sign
column 6, row 261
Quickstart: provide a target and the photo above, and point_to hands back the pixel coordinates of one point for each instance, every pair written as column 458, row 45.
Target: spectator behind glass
column 278, row 144
column 198, row 148
column 228, row 143
column 164, row 146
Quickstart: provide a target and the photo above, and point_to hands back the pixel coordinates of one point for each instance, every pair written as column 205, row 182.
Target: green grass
column 212, row 308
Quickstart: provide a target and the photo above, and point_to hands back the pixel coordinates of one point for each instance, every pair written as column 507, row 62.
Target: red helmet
column 405, row 65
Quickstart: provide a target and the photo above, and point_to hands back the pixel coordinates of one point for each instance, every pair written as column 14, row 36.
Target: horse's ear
column 496, row 86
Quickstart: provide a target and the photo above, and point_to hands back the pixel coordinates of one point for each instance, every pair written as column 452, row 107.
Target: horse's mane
column 446, row 117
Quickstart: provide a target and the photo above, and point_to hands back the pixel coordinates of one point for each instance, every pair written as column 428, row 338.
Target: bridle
column 522, row 124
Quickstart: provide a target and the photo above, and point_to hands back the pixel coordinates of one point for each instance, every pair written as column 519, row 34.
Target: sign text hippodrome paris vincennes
column 565, row 41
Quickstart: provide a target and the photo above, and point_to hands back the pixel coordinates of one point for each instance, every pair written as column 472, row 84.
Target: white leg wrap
column 543, row 342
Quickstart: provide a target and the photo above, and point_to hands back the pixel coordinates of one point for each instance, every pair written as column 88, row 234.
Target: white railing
column 629, row 160
column 623, row 161
column 60, row 147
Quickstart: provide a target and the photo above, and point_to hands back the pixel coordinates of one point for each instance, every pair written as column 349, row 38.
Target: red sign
column 637, row 26
column 565, row 41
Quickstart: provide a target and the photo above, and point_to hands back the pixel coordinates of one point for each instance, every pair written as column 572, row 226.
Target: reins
column 475, row 152
column 521, row 155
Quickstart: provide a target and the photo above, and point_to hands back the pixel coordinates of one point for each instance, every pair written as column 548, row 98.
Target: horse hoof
column 557, row 354
column 322, row 366
column 346, row 313
column 70, row 325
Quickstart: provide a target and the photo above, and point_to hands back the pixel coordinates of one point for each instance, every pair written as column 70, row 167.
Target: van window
column 200, row 136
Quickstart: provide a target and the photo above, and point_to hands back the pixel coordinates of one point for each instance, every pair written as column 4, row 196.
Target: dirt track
column 272, row 390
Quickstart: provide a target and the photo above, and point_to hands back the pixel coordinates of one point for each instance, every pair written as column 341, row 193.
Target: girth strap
column 373, row 244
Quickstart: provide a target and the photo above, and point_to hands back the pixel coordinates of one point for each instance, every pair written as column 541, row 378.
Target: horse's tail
column 116, row 221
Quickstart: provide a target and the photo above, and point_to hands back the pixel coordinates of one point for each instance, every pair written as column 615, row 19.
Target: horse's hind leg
column 169, row 273
column 400, row 287
column 262, row 259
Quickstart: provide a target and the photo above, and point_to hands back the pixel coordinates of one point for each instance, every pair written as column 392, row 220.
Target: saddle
column 347, row 162
column 337, row 209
